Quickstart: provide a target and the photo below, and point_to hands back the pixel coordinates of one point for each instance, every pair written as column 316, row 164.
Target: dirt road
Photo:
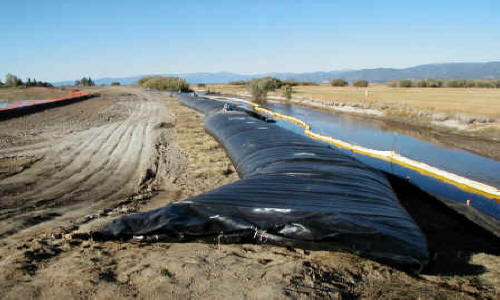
column 66, row 171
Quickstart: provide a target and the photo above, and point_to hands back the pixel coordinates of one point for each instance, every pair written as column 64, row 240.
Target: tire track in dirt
column 107, row 162
column 94, row 133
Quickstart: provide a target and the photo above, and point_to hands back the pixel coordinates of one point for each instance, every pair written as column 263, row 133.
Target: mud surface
column 68, row 170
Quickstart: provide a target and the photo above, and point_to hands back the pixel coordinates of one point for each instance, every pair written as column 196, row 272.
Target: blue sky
column 64, row 40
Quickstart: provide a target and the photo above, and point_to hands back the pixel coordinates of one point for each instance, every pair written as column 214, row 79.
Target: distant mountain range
column 488, row 70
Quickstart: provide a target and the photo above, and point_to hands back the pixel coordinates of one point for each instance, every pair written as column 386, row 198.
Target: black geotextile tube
column 294, row 191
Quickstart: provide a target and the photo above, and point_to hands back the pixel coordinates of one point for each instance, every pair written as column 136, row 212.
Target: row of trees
column 288, row 82
column 405, row 83
column 165, row 83
column 14, row 81
column 342, row 82
column 279, row 83
column 437, row 83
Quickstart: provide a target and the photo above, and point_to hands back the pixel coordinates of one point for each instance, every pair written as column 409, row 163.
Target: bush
column 260, row 86
column 290, row 82
column 115, row 83
column 452, row 83
column 392, row 83
column 239, row 82
column 201, row 85
column 405, row 83
column 85, row 82
column 143, row 80
column 12, row 81
column 456, row 83
column 470, row 84
column 433, row 83
column 485, row 83
column 164, row 83
column 339, row 82
column 308, row 83
column 273, row 83
column 287, row 92
column 360, row 83
column 34, row 82
column 422, row 83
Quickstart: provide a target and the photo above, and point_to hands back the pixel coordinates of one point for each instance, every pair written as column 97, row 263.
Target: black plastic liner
column 203, row 105
column 294, row 191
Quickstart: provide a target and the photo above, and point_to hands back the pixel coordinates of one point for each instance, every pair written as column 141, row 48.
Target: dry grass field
column 470, row 101
column 32, row 93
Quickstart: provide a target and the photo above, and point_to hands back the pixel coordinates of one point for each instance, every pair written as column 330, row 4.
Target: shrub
column 339, row 82
column 360, row 83
column 260, row 86
column 12, row 81
column 455, row 83
column 452, row 83
column 273, row 83
column 287, row 92
column 405, row 83
column 308, row 83
column 290, row 82
column 422, row 83
column 470, row 84
column 85, row 82
column 485, row 83
column 115, row 83
column 201, row 85
column 1, row 83
column 143, row 80
column 392, row 83
column 239, row 82
column 164, row 83
column 433, row 83
column 34, row 82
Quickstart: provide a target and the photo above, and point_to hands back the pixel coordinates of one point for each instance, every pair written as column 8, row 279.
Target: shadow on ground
column 452, row 238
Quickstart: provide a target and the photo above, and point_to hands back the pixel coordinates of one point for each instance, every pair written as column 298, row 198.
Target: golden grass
column 32, row 93
column 470, row 101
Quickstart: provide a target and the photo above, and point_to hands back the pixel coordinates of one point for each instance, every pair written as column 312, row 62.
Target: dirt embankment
column 132, row 151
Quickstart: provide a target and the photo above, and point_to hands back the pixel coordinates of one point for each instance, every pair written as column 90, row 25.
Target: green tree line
column 438, row 83
column 341, row 82
column 14, row 81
